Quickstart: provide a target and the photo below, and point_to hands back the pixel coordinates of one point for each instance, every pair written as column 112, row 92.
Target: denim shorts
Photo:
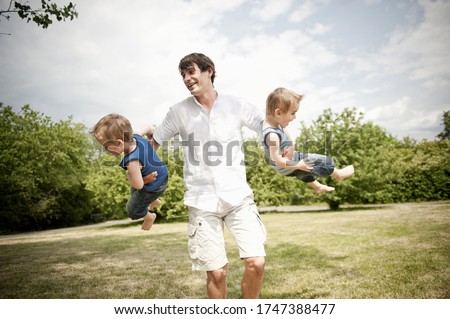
column 323, row 166
column 206, row 242
column 140, row 199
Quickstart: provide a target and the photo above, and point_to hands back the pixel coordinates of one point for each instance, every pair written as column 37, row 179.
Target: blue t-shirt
column 149, row 160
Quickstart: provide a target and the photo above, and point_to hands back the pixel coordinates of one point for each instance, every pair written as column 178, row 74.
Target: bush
column 43, row 165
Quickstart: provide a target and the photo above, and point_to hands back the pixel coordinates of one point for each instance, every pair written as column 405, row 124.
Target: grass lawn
column 387, row 251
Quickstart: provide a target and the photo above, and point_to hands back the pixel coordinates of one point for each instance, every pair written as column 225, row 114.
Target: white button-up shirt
column 214, row 167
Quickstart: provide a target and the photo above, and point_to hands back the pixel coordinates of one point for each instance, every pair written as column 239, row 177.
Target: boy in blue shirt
column 115, row 134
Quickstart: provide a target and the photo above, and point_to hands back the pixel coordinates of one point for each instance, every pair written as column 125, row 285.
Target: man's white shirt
column 212, row 144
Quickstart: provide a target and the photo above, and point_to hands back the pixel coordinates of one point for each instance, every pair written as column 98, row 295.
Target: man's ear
column 210, row 72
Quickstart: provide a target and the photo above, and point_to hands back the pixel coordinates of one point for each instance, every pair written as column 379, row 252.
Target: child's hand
column 305, row 167
column 288, row 153
column 150, row 177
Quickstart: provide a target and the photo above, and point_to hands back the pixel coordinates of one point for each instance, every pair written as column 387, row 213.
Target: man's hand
column 145, row 131
column 150, row 177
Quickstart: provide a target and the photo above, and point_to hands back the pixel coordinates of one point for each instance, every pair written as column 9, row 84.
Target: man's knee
column 217, row 275
column 255, row 264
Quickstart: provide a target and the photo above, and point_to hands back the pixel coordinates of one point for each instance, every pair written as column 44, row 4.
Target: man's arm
column 148, row 131
column 253, row 117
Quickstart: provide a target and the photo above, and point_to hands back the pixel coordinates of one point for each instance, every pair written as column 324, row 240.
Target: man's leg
column 217, row 283
column 253, row 277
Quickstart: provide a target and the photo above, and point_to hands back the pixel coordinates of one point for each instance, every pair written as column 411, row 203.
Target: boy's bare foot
column 323, row 189
column 154, row 204
column 148, row 221
column 341, row 174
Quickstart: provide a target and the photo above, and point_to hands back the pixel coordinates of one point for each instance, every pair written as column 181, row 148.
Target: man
column 217, row 193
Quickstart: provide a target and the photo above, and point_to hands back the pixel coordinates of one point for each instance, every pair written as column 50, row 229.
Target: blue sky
column 389, row 59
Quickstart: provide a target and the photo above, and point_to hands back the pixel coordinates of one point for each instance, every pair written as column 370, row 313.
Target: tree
column 44, row 165
column 445, row 135
column 41, row 16
column 348, row 140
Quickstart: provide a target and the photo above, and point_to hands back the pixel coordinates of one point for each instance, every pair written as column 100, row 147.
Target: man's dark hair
column 203, row 62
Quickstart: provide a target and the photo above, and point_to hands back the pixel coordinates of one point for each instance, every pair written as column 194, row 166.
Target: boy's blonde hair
column 282, row 99
column 113, row 127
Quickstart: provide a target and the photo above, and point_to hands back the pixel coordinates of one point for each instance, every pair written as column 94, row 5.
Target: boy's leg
column 322, row 165
column 151, row 216
column 154, row 204
column 149, row 219
column 343, row 173
column 320, row 188
column 138, row 207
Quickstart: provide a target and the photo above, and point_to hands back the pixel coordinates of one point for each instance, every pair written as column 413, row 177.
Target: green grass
column 390, row 251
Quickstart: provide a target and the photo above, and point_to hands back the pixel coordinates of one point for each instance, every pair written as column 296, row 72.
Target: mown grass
column 393, row 251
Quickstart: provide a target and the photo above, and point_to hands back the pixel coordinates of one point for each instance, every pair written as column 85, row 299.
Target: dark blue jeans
column 137, row 205
column 323, row 166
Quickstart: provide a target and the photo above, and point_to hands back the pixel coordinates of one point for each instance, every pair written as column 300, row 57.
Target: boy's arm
column 148, row 132
column 134, row 174
column 289, row 151
column 273, row 141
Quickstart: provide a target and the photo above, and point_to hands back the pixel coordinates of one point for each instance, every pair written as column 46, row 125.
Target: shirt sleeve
column 252, row 117
column 166, row 130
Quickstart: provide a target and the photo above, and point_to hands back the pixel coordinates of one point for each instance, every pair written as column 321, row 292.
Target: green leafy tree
column 173, row 207
column 43, row 166
column 344, row 137
column 42, row 15
column 445, row 134
column 425, row 173
column 109, row 187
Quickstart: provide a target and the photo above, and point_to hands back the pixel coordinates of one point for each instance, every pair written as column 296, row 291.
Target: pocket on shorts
column 192, row 241
column 255, row 211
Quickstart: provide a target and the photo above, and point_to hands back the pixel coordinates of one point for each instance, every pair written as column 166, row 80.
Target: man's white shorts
column 206, row 234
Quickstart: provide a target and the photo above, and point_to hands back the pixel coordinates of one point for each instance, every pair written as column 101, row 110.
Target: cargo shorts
column 206, row 241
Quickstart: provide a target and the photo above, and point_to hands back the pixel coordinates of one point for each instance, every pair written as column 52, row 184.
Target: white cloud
column 269, row 10
column 391, row 112
column 399, row 117
column 319, row 29
column 118, row 57
column 422, row 51
column 370, row 2
column 303, row 11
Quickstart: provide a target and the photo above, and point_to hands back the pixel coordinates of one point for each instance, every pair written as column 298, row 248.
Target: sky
column 389, row 59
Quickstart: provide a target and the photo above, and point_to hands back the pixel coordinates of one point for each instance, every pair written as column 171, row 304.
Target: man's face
column 196, row 81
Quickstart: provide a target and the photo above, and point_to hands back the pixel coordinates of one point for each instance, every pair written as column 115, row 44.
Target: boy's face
column 196, row 81
column 112, row 147
column 285, row 118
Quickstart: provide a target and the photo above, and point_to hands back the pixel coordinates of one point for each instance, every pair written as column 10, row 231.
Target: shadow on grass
column 301, row 272
column 305, row 210
column 134, row 223
column 100, row 267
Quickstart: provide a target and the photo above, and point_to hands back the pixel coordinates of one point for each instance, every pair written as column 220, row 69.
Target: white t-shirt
column 212, row 143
